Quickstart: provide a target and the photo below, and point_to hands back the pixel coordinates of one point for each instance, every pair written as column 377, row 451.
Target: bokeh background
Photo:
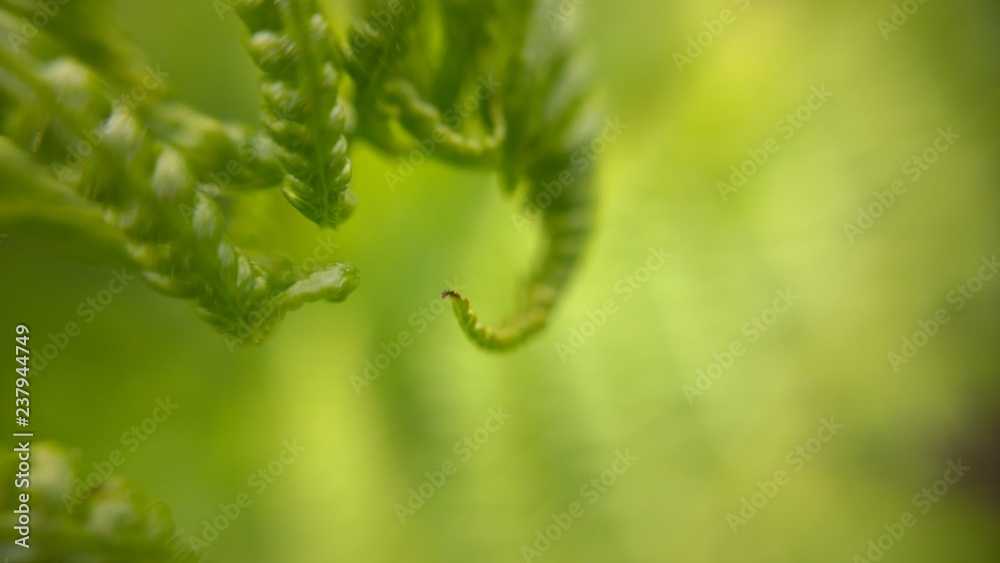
column 623, row 390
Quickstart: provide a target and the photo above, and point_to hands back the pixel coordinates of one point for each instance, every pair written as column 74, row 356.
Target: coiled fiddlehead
column 487, row 82
column 389, row 64
column 542, row 105
column 174, row 231
column 291, row 43
column 114, row 521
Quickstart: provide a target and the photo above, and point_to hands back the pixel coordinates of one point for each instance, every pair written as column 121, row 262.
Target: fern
column 112, row 521
column 291, row 43
column 401, row 80
column 174, row 232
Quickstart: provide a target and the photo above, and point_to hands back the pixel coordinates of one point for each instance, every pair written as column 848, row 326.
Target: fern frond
column 212, row 148
column 176, row 233
column 486, row 84
column 425, row 123
column 112, row 520
column 291, row 43
column 542, row 100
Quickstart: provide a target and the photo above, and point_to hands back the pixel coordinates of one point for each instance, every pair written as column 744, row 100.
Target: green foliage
column 485, row 85
column 291, row 43
column 111, row 521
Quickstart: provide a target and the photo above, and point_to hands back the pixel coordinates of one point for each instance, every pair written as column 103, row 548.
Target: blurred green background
column 623, row 390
